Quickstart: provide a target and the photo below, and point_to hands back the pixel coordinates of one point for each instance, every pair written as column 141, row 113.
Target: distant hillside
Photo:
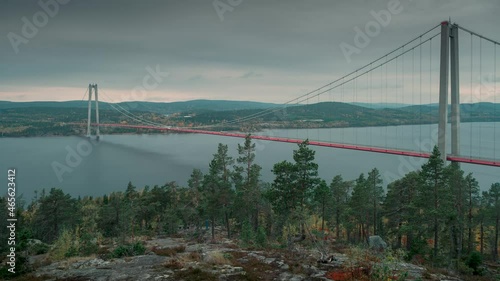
column 332, row 114
column 380, row 105
column 157, row 107
column 469, row 112
column 45, row 119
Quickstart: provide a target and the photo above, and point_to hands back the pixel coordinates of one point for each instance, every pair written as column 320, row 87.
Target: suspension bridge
column 422, row 73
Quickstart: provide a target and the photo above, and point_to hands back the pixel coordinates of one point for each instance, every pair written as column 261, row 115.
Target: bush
column 474, row 261
column 169, row 252
column 38, row 249
column 87, row 245
column 22, row 267
column 128, row 250
column 63, row 246
column 247, row 234
column 261, row 237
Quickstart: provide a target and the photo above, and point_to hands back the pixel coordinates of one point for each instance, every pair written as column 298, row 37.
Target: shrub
column 71, row 252
column 216, row 258
column 22, row 267
column 247, row 234
column 474, row 261
column 261, row 237
column 63, row 246
column 39, row 249
column 88, row 245
column 169, row 252
column 128, row 250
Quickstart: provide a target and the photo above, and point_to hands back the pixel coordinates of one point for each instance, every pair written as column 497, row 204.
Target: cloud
column 293, row 42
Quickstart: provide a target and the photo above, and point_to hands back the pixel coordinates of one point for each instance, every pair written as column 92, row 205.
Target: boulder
column 377, row 243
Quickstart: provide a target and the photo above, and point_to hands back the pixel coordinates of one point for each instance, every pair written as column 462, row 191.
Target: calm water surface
column 108, row 165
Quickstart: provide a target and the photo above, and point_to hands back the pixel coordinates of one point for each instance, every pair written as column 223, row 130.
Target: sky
column 258, row 50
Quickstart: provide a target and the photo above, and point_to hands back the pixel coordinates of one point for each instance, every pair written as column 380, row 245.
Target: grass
column 217, row 258
column 173, row 264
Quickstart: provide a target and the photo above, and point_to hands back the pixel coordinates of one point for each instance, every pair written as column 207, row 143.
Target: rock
column 413, row 271
column 377, row 243
column 36, row 247
column 137, row 268
column 269, row 260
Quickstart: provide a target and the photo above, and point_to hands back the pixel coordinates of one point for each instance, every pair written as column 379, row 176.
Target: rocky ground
column 181, row 259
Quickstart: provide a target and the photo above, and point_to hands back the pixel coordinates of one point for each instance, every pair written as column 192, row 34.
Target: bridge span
column 460, row 159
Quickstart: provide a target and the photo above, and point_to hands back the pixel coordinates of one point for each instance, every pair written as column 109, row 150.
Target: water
column 94, row 168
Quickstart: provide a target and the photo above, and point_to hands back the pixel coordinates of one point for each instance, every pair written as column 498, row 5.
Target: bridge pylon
column 93, row 88
column 449, row 56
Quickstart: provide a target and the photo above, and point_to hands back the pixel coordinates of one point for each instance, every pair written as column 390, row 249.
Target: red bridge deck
column 315, row 143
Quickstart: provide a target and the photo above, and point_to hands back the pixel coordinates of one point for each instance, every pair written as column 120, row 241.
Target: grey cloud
column 113, row 41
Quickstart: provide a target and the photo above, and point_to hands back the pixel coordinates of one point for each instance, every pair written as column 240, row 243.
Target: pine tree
column 195, row 197
column 322, row 198
column 247, row 182
column 217, row 190
column 340, row 191
column 434, row 196
column 56, row 211
column 360, row 207
column 456, row 183
column 399, row 209
column 376, row 193
column 494, row 214
column 472, row 203
column 282, row 194
column 293, row 186
column 110, row 219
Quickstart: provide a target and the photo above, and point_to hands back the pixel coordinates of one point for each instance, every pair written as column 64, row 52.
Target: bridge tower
column 93, row 87
column 449, row 57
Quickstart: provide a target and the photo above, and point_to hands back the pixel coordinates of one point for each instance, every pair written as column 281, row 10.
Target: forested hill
column 334, row 114
column 156, row 107
column 54, row 118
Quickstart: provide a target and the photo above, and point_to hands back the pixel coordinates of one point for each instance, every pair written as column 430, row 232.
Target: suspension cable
column 430, row 86
column 471, row 96
column 420, row 90
column 480, row 88
column 302, row 97
column 495, row 102
column 477, row 34
column 307, row 95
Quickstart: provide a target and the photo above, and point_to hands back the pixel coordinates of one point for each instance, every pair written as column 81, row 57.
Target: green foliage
column 217, row 192
column 128, row 250
column 64, row 246
column 388, row 268
column 437, row 203
column 246, row 178
column 474, row 261
column 39, row 249
column 291, row 193
column 22, row 267
column 247, row 235
column 261, row 237
column 88, row 245
column 56, row 211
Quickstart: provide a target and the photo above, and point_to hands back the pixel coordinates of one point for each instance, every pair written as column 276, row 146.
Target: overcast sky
column 260, row 50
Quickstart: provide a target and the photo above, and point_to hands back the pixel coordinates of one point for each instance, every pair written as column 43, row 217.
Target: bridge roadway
column 487, row 162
